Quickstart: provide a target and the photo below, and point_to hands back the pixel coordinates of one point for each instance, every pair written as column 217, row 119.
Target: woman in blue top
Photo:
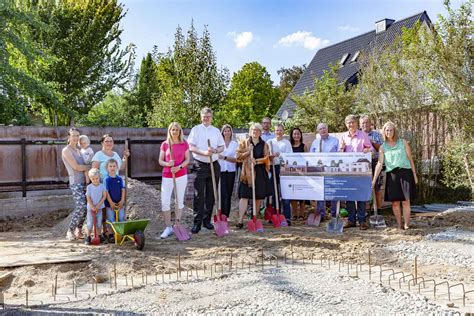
column 401, row 173
column 101, row 157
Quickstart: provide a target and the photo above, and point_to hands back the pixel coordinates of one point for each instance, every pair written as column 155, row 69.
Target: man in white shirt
column 325, row 143
column 280, row 145
column 267, row 129
column 202, row 153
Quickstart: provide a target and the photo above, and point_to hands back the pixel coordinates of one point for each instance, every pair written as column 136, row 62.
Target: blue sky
column 279, row 33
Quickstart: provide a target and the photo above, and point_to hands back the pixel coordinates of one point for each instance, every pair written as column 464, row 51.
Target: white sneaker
column 167, row 232
column 70, row 236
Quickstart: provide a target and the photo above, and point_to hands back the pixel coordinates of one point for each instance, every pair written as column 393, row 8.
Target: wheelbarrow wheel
column 139, row 240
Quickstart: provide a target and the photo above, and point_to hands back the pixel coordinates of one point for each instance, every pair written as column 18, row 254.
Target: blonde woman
column 175, row 163
column 401, row 173
column 262, row 166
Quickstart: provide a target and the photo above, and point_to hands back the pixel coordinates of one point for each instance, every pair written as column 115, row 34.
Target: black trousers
column 227, row 186
column 203, row 192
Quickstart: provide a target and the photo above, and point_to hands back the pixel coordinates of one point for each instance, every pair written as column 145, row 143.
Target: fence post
column 129, row 161
column 23, row 166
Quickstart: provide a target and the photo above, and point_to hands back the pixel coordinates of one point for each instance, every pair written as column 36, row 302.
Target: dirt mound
column 463, row 217
column 143, row 201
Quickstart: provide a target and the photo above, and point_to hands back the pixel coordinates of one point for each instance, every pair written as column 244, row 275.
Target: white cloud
column 241, row 40
column 347, row 28
column 302, row 38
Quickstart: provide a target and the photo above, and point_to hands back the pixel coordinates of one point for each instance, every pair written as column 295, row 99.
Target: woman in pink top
column 177, row 164
column 355, row 140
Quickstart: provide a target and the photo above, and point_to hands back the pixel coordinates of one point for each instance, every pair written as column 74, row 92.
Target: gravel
column 283, row 290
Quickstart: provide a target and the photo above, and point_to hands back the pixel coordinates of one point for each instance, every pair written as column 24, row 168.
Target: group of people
column 216, row 153
column 97, row 189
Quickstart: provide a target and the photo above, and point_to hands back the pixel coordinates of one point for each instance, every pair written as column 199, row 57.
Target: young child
column 96, row 195
column 86, row 152
column 115, row 196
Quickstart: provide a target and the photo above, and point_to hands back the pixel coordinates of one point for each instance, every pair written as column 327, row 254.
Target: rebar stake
column 370, row 268
column 115, row 275
column 416, row 268
column 26, row 297
column 56, row 285
column 179, row 264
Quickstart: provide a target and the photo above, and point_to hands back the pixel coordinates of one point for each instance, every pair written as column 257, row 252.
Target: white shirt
column 280, row 146
column 87, row 155
column 267, row 136
column 199, row 136
column 230, row 151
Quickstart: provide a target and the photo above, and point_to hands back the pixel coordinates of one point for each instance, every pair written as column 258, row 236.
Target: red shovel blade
column 95, row 241
column 269, row 212
column 251, row 227
column 276, row 220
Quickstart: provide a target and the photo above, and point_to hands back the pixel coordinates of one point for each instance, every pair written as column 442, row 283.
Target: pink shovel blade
column 283, row 222
column 259, row 226
column 181, row 232
column 314, row 219
column 251, row 225
column 221, row 227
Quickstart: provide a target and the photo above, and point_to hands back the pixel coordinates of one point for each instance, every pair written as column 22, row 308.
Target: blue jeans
column 351, row 209
column 321, row 208
column 285, row 205
column 90, row 220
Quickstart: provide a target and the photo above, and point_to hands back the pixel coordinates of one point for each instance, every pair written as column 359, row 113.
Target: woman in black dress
column 262, row 166
column 296, row 140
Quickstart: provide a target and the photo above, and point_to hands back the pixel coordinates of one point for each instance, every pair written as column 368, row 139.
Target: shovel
column 254, row 225
column 96, row 239
column 179, row 230
column 278, row 220
column 336, row 225
column 221, row 227
column 376, row 221
column 314, row 219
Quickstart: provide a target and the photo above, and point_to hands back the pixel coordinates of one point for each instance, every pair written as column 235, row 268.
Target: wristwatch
column 225, row 157
column 180, row 166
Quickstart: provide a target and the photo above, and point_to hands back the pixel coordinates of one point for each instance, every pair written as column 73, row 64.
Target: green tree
column 250, row 98
column 424, row 84
column 147, row 86
column 19, row 55
column 288, row 79
column 113, row 111
column 84, row 38
column 329, row 102
column 189, row 80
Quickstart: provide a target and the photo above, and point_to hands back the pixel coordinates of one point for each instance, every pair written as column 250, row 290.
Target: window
column 354, row 58
column 343, row 59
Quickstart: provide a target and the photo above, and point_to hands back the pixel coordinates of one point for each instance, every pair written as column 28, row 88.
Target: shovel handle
column 214, row 187
column 374, row 199
column 275, row 186
column 252, row 171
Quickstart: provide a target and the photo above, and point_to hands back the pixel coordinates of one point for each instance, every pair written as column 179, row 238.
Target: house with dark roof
column 347, row 53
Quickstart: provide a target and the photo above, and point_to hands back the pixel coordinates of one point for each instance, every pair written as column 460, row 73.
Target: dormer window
column 382, row 25
column 356, row 55
column 343, row 59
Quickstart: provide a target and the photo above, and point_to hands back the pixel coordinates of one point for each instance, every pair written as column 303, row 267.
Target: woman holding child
column 75, row 167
